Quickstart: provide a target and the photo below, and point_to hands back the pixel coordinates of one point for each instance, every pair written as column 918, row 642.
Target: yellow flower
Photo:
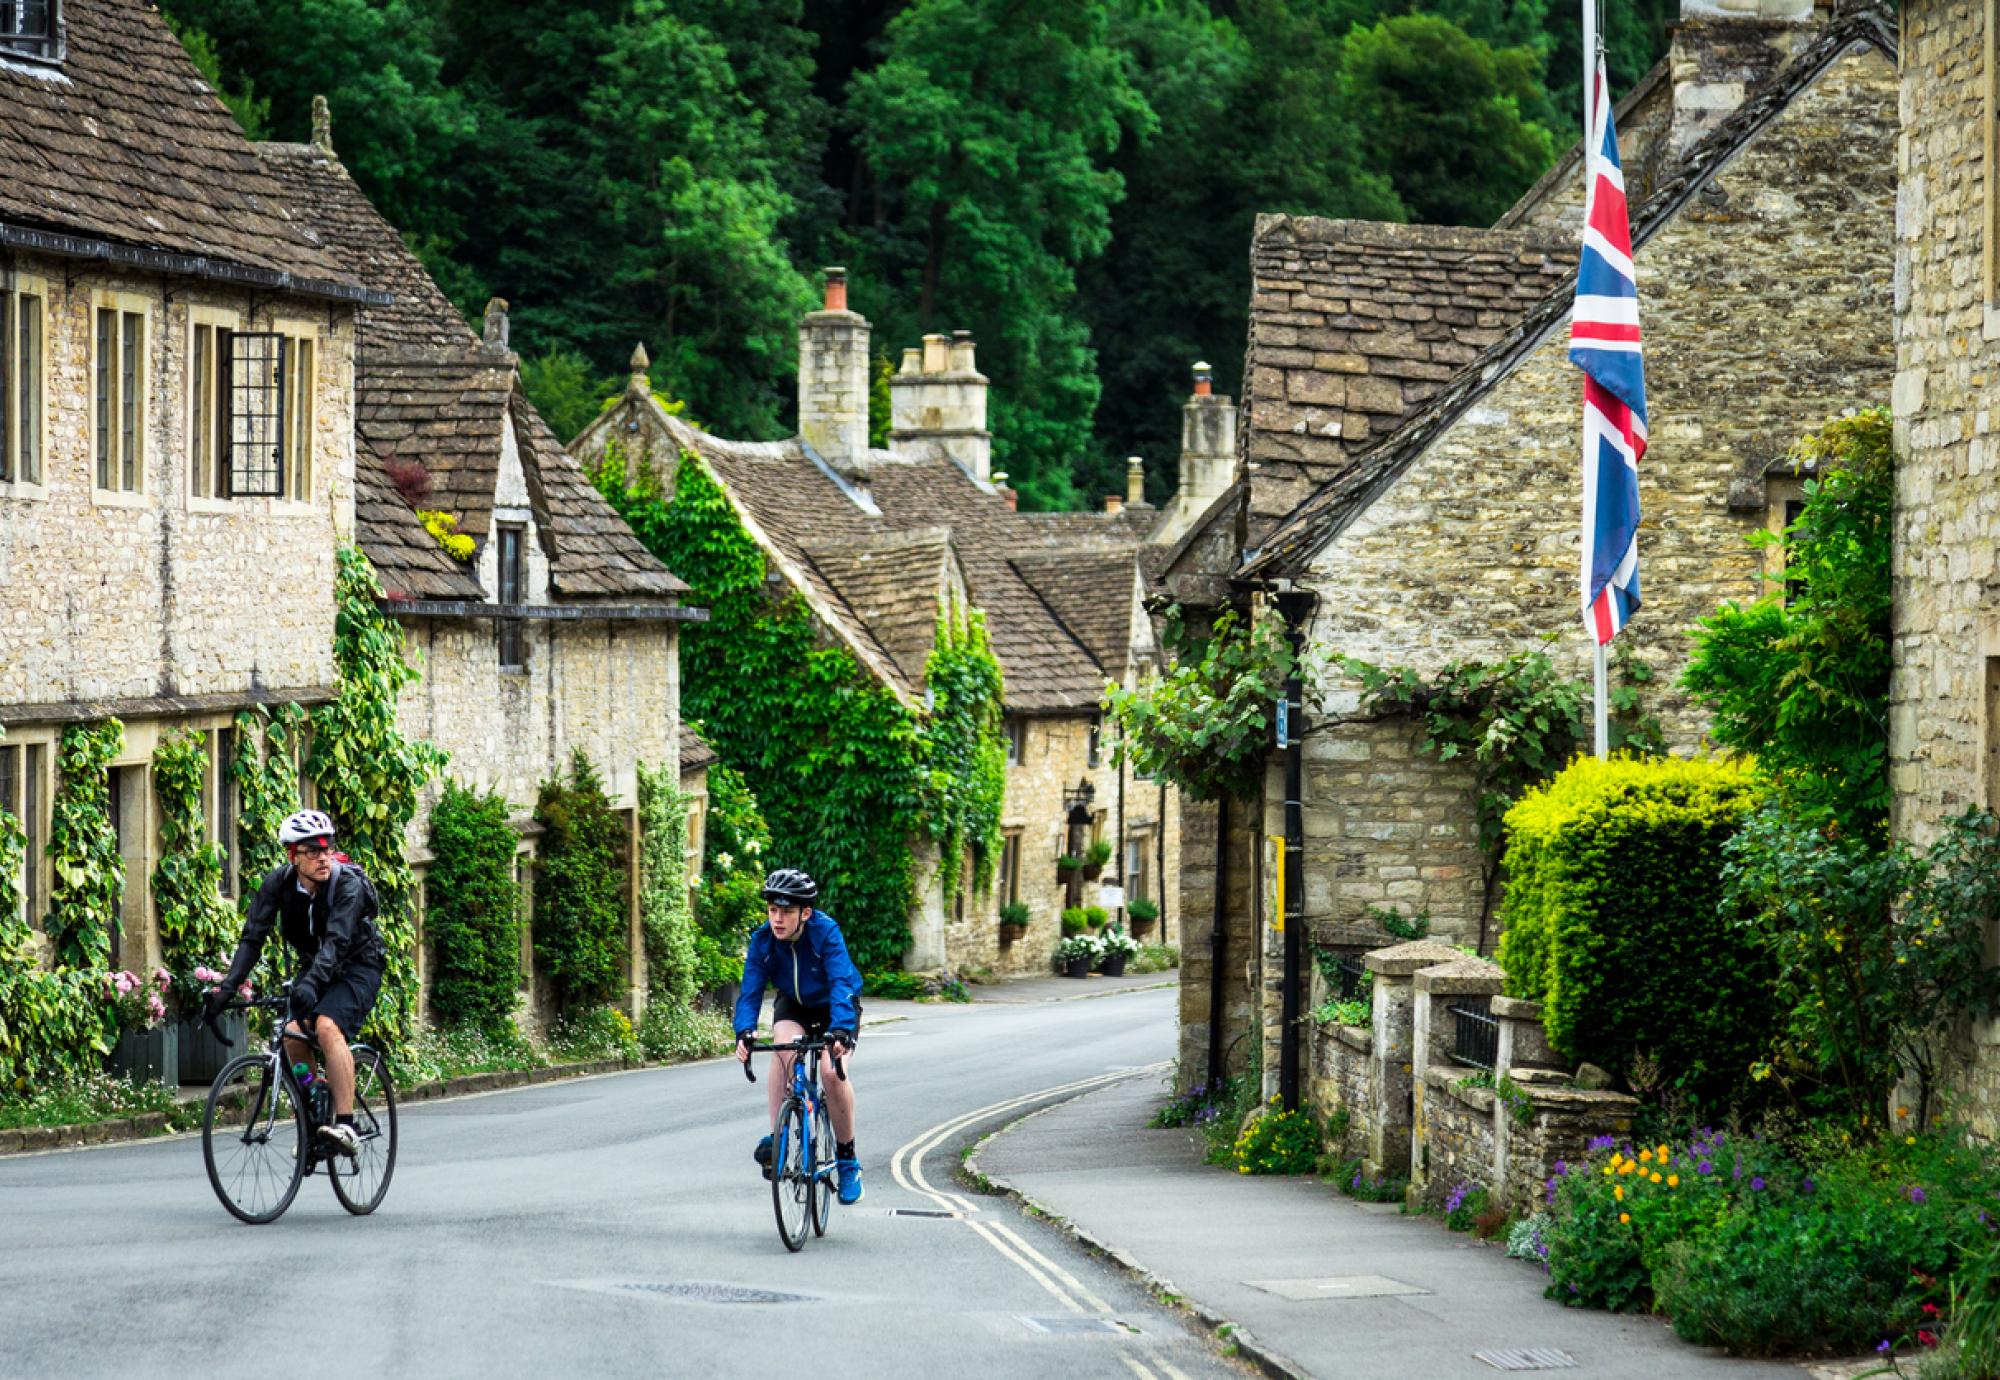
column 1909, row 1140
column 1616, row 1159
column 1662, row 1154
column 1673, row 1181
column 1627, row 1167
column 1902, row 1111
column 1645, row 1156
column 1624, row 1217
column 1609, row 1171
column 1619, row 1193
column 1656, row 1176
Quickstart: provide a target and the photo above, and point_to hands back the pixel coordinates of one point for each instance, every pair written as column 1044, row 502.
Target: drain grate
column 923, row 1212
column 1073, row 1325
column 1532, row 1358
column 714, row 1293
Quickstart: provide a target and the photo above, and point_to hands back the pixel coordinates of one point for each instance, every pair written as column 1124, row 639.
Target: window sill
column 519, row 671
column 256, row 507
column 27, row 493
column 1992, row 322
column 121, row 498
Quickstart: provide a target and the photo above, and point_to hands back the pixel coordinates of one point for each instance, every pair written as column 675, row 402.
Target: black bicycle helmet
column 790, row 887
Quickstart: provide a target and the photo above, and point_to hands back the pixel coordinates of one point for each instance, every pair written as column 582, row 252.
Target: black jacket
column 332, row 930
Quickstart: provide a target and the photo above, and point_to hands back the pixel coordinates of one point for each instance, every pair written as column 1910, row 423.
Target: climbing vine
column 13, row 849
column 843, row 771
column 472, row 912
column 579, row 917
column 369, row 774
column 83, row 847
column 266, row 771
column 196, row 925
column 963, row 755
column 666, row 918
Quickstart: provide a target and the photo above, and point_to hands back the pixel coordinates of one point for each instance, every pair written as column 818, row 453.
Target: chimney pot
column 1135, row 482
column 836, row 288
column 496, row 323
column 961, row 352
column 323, row 126
column 913, row 361
column 1113, row 503
column 1204, row 379
column 937, row 353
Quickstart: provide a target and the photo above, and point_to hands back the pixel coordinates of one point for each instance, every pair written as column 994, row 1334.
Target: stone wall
column 1456, row 1124
column 1944, row 717
column 1766, row 309
column 115, row 595
column 1195, row 932
column 1343, row 1082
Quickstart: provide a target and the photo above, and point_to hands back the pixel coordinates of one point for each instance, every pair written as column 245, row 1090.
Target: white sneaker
column 345, row 1139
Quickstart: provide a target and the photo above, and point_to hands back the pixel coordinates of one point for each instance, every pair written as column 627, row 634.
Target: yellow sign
column 1277, row 842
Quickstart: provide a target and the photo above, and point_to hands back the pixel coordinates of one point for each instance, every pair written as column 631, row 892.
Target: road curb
column 1272, row 1362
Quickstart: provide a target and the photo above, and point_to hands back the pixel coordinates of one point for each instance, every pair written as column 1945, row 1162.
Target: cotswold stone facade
column 1944, row 718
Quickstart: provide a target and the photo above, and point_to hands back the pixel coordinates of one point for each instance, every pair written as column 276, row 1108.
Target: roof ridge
column 1387, row 234
column 1322, row 515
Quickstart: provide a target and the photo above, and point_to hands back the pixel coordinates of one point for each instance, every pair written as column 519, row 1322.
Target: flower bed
column 1766, row 1250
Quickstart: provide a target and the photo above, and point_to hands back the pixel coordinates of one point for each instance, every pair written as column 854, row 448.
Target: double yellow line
column 906, row 1167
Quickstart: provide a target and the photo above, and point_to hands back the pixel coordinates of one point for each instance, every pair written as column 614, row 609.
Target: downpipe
column 1294, row 608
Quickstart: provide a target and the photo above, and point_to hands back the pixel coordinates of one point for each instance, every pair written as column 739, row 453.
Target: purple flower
column 1704, row 1168
column 1357, row 1180
column 1918, row 1197
column 1882, row 1345
column 1456, row 1198
column 1739, row 1170
column 1756, row 1182
column 1808, row 1185
column 1602, row 1142
column 1562, row 1168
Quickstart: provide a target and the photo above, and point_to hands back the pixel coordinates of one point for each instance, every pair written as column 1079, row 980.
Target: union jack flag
column 1604, row 343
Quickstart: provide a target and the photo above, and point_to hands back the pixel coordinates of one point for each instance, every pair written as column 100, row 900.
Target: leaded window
column 20, row 388
column 119, row 398
column 513, row 642
column 31, row 29
column 253, row 390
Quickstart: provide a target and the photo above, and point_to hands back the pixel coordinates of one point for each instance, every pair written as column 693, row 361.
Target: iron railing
column 1476, row 1037
column 1351, row 975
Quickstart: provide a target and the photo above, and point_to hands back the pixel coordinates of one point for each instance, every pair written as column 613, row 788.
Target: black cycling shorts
column 350, row 997
column 815, row 1019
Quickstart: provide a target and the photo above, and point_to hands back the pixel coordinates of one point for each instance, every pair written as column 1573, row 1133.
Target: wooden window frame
column 1008, row 872
column 512, row 639
column 255, row 381
column 20, row 44
column 120, row 410
column 1014, row 733
column 207, row 405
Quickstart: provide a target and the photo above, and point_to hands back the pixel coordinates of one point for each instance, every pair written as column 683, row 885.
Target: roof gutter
column 65, row 246
column 571, row 613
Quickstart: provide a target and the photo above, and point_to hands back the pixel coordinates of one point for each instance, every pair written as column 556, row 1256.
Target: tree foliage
column 580, row 918
column 472, row 909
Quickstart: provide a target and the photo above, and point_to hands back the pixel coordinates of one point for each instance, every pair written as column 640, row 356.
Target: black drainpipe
column 1218, row 945
column 1294, row 609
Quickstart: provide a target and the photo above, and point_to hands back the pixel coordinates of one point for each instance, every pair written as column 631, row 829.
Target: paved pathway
column 1291, row 1261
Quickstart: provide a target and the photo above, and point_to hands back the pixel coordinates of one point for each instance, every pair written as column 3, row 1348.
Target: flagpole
column 1601, row 720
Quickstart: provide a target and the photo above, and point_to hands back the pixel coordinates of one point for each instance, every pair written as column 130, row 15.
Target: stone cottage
column 176, row 426
column 1944, row 718
column 1414, row 386
column 560, row 632
column 878, row 541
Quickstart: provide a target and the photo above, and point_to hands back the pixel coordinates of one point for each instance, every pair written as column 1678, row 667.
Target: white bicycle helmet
column 306, row 824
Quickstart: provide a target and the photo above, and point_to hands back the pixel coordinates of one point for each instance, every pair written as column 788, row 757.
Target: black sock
column 347, row 1120
column 844, row 1150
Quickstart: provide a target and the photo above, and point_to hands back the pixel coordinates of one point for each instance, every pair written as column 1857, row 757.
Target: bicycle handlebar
column 272, row 1003
column 806, row 1046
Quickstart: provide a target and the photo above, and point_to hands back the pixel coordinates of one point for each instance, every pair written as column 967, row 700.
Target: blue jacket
column 812, row 968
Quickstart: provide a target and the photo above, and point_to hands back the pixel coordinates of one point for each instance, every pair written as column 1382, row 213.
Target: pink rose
column 123, row 982
column 244, row 991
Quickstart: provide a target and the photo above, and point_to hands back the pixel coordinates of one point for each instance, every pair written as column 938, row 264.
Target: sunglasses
column 310, row 850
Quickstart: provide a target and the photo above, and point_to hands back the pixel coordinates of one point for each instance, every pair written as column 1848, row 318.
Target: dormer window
column 31, row 29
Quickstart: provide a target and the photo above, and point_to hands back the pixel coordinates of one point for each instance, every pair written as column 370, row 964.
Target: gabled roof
column 124, row 145
column 896, row 584
column 1093, row 593
column 429, row 390
column 1353, row 324
column 405, row 555
column 696, row 754
column 1329, row 510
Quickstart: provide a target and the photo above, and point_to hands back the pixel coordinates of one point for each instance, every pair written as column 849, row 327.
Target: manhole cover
column 1336, row 1287
column 1534, row 1358
column 1073, row 1325
column 714, row 1293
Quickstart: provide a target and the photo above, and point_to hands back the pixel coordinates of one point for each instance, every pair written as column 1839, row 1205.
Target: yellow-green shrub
column 1614, row 921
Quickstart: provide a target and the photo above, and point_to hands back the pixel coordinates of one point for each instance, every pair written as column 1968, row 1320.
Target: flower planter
column 1092, row 871
column 1077, row 967
column 1063, row 874
column 148, row 1056
column 202, row 1055
column 1112, row 965
column 1011, row 933
column 1140, row 927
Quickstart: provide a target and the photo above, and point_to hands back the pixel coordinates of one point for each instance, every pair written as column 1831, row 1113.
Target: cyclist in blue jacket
column 799, row 951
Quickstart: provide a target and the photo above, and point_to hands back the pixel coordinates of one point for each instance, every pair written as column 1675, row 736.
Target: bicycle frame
column 277, row 1057
column 805, row 1086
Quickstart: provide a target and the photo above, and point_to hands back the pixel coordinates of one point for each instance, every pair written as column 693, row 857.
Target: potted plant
column 1076, row 955
column 148, row 1048
column 1094, row 859
column 1074, row 921
column 1095, row 916
column 1115, row 948
column 1142, row 913
column 1066, row 867
column 1013, row 921
column 202, row 1053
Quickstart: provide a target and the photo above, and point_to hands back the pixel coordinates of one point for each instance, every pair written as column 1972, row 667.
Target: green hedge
column 472, row 911
column 580, row 920
column 1613, row 919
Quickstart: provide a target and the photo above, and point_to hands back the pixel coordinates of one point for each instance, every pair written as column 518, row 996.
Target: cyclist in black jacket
column 325, row 908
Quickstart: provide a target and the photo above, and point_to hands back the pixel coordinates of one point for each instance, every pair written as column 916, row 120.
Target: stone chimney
column 1113, row 504
column 496, row 323
column 937, row 402
column 1208, row 442
column 833, row 376
column 1013, row 498
column 1135, row 482
column 639, row 382
column 323, row 127
column 1724, row 49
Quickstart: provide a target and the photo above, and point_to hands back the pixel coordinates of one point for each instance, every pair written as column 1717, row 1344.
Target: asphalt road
column 533, row 1233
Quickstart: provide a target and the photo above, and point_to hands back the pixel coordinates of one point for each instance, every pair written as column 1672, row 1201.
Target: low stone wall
column 1456, row 1136
column 1342, row 1064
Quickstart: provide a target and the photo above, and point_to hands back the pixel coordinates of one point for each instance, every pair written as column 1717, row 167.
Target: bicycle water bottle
column 303, row 1073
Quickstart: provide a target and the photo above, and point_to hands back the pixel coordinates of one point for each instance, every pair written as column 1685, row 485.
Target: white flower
column 724, row 861
column 753, row 847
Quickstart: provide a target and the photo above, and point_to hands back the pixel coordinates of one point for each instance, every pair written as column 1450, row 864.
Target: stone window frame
column 301, row 411
column 1781, row 492
column 511, row 634
column 122, row 305
column 301, row 414
column 33, row 795
column 1007, row 870
column 1014, row 735
column 1989, row 122
column 208, row 498
column 222, row 807
column 16, row 288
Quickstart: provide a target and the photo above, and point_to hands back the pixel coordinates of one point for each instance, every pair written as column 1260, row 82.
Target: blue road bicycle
column 802, row 1148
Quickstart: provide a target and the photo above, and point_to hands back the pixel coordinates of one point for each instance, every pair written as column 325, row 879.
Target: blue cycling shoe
column 850, row 1181
column 762, row 1154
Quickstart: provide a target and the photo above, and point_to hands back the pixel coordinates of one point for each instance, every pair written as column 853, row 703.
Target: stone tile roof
column 1092, row 593
column 1353, row 324
column 420, row 317
column 696, row 754
column 405, row 555
column 1327, row 512
column 126, row 143
column 429, row 390
column 895, row 583
column 1125, row 526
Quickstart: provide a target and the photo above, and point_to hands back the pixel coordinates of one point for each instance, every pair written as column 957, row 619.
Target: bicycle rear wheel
column 822, row 1168
column 253, row 1139
column 790, row 1186
column 361, row 1182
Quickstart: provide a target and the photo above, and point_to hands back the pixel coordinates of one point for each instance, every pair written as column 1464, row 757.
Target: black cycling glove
column 840, row 1036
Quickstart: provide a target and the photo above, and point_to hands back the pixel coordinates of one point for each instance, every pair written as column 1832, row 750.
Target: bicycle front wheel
column 791, row 1185
column 822, row 1168
column 361, row 1182
column 253, row 1139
